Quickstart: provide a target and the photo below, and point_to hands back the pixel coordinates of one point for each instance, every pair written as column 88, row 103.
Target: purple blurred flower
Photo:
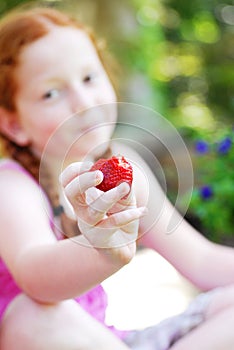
column 206, row 192
column 224, row 145
column 201, row 147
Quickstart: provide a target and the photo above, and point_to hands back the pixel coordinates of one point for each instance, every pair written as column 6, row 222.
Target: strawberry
column 115, row 170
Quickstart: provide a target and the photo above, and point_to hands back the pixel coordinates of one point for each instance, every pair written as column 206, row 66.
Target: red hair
column 18, row 30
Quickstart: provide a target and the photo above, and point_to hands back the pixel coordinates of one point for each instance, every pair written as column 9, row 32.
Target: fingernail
column 124, row 187
column 98, row 177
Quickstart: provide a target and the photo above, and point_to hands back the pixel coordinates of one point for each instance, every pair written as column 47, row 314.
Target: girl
column 51, row 298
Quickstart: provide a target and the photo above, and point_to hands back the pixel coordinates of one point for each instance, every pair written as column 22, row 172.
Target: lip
column 92, row 126
column 78, row 127
column 86, row 128
column 81, row 131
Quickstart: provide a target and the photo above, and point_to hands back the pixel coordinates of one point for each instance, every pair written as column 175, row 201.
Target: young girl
column 50, row 298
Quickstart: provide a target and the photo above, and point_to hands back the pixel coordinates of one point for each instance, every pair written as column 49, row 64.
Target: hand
column 105, row 219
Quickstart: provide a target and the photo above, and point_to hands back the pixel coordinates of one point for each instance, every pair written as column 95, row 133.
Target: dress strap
column 10, row 164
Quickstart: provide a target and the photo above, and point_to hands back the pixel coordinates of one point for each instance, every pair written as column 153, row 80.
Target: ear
column 11, row 128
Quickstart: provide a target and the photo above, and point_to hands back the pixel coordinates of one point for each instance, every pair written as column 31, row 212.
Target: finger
column 129, row 199
column 123, row 218
column 73, row 170
column 99, row 207
column 126, row 202
column 75, row 190
column 92, row 194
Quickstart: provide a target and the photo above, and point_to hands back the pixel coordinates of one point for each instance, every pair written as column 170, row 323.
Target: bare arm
column 205, row 264
column 44, row 268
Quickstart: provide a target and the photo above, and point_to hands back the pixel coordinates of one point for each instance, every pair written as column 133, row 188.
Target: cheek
column 107, row 93
column 47, row 122
column 37, row 123
column 44, row 130
column 41, row 133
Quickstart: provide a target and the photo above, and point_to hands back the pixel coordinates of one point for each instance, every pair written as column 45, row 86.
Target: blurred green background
column 176, row 57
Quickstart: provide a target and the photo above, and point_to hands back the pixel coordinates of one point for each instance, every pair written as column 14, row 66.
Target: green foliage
column 192, row 60
column 193, row 63
column 6, row 5
column 185, row 51
column 213, row 196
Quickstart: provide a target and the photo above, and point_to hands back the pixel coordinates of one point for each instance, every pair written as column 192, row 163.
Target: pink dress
column 94, row 301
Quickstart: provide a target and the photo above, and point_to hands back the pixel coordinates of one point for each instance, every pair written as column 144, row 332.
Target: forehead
column 60, row 44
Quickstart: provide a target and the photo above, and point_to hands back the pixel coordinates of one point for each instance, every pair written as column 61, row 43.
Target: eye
column 89, row 77
column 53, row 93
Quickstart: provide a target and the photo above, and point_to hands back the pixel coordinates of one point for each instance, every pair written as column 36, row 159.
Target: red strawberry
column 115, row 170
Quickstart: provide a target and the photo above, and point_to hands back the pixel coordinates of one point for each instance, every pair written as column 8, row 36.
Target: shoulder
column 25, row 214
column 12, row 173
column 131, row 155
column 18, row 188
column 11, row 166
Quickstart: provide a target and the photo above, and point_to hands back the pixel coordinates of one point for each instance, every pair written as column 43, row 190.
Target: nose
column 80, row 97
